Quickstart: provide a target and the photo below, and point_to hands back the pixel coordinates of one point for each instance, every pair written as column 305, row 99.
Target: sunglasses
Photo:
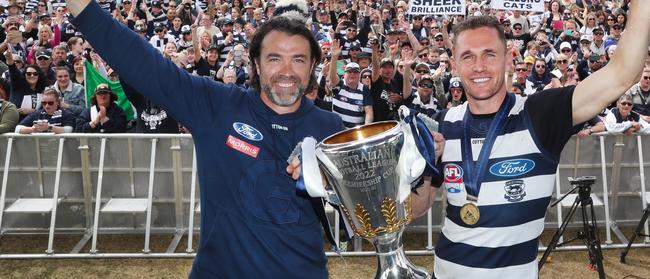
column 444, row 61
column 42, row 58
column 439, row 40
column 540, row 66
column 627, row 104
column 352, row 30
column 599, row 34
column 365, row 76
column 616, row 28
column 31, row 74
column 50, row 103
column 435, row 27
column 585, row 43
column 423, row 55
column 517, row 28
column 521, row 70
column 566, row 50
column 422, row 72
column 610, row 19
column 646, row 78
column 563, row 61
column 591, row 19
column 425, row 84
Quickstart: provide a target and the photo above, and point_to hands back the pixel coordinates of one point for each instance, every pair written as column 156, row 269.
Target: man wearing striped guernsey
column 502, row 150
column 351, row 99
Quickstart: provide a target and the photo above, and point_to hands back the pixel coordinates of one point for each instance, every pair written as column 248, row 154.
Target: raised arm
column 604, row 86
column 184, row 96
column 332, row 76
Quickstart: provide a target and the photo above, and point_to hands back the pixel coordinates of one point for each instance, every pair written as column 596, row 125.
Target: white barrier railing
column 171, row 185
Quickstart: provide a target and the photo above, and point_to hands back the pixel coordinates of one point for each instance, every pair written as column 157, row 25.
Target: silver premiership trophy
column 369, row 171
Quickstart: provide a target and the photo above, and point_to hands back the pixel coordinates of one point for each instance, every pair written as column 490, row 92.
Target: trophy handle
column 330, row 196
column 310, row 175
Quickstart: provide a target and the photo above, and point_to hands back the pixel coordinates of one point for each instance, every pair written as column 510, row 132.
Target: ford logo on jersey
column 247, row 131
column 513, row 167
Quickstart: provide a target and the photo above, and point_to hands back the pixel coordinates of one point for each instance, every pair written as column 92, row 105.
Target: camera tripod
column 589, row 233
column 637, row 232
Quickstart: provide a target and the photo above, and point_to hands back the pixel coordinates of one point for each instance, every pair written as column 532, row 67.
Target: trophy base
column 392, row 262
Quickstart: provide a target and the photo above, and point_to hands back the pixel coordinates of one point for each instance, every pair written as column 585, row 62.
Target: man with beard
column 242, row 140
column 495, row 212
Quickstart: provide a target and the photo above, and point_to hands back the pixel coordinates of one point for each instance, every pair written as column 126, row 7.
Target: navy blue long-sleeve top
column 253, row 222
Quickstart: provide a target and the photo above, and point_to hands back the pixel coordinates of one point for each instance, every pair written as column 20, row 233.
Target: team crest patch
column 453, row 173
column 247, row 131
column 515, row 190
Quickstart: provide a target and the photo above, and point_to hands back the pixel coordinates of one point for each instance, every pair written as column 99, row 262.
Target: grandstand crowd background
column 376, row 57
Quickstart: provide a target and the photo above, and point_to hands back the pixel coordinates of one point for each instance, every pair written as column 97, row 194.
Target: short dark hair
column 476, row 22
column 285, row 25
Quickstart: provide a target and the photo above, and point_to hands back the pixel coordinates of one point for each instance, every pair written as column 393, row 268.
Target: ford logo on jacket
column 247, row 131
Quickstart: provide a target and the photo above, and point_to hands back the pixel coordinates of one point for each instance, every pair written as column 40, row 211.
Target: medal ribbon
column 473, row 176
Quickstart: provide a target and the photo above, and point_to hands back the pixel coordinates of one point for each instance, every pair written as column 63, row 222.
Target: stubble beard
column 290, row 97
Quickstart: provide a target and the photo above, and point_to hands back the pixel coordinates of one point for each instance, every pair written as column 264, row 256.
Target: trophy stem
column 391, row 260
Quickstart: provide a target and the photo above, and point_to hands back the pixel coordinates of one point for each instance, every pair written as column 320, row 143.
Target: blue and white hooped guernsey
column 515, row 192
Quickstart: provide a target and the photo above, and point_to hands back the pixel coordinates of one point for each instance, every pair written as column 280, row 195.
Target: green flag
column 93, row 78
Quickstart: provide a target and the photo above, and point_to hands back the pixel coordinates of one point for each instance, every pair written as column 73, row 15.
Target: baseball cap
column 352, row 67
column 364, row 55
column 455, row 83
column 140, row 28
column 422, row 65
column 425, row 77
column 438, row 35
column 156, row 4
column 186, row 29
column 594, row 57
column 564, row 45
column 226, row 20
column 597, row 29
column 516, row 24
column 385, row 61
column 103, row 88
column 529, row 60
column 213, row 46
column 355, row 46
column 43, row 53
column 585, row 38
column 505, row 21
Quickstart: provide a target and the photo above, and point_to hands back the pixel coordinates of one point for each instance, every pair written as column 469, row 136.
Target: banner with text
column 436, row 7
column 521, row 5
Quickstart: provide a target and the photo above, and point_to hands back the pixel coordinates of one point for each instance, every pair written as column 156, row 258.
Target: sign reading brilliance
column 438, row 7
column 522, row 5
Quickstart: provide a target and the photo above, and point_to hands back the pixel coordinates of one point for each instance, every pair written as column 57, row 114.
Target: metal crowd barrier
column 93, row 184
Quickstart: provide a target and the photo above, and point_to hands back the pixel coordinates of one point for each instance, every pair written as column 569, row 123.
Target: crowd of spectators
column 376, row 57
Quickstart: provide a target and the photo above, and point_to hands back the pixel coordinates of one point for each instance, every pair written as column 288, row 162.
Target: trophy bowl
column 363, row 167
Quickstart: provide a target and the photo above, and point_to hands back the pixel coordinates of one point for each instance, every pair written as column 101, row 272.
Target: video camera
column 582, row 180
